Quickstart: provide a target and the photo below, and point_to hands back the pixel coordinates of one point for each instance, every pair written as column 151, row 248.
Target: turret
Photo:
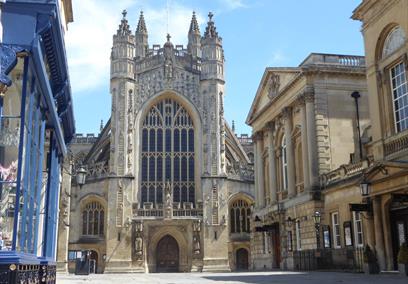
column 212, row 52
column 212, row 85
column 141, row 37
column 123, row 51
column 194, row 38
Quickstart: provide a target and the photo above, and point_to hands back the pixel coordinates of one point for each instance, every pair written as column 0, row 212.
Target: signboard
column 360, row 207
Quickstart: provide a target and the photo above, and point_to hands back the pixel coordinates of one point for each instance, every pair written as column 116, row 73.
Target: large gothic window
column 93, row 218
column 239, row 217
column 167, row 153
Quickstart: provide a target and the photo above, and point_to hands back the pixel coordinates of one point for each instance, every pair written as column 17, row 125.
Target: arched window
column 167, row 153
column 239, row 217
column 395, row 39
column 93, row 218
column 284, row 164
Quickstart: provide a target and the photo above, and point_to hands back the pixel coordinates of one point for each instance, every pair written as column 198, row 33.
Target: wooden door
column 276, row 246
column 242, row 259
column 167, row 255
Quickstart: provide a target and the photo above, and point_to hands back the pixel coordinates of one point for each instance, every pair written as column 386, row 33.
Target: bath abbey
column 169, row 186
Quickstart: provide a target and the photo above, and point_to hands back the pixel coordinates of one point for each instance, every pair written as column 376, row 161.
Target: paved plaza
column 247, row 277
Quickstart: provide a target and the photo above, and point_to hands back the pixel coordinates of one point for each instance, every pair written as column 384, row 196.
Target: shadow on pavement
column 319, row 277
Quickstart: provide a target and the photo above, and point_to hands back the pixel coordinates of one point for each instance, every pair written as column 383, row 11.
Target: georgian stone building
column 382, row 219
column 304, row 125
column 169, row 187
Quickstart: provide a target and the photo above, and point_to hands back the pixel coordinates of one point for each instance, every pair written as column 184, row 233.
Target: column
column 305, row 151
column 378, row 230
column 272, row 163
column 287, row 115
column 386, row 200
column 311, row 137
column 256, row 170
column 260, row 168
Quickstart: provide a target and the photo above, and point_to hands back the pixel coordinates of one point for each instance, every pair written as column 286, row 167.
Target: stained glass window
column 167, row 153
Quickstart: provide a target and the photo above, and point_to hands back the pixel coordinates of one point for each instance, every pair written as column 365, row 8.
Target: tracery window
column 284, row 164
column 399, row 88
column 167, row 153
column 93, row 218
column 239, row 217
column 395, row 39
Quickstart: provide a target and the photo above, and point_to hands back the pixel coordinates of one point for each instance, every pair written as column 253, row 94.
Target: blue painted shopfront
column 36, row 123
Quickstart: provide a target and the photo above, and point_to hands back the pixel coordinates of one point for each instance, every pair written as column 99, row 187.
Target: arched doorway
column 242, row 259
column 167, row 255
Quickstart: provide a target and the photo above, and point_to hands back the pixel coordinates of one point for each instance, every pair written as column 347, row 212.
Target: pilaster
column 305, row 151
column 287, row 117
column 272, row 163
column 378, row 228
column 311, row 137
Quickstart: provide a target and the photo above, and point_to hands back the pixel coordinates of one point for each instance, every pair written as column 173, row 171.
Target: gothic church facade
column 169, row 187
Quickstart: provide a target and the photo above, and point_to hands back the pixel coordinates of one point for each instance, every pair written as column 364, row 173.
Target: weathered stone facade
column 171, row 94
column 304, row 125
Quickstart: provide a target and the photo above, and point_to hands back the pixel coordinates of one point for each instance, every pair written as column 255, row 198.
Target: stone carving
column 196, row 244
column 197, row 226
column 168, row 212
column 138, row 245
column 273, row 85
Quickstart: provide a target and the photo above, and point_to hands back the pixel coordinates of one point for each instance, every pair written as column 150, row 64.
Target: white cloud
column 89, row 38
column 233, row 4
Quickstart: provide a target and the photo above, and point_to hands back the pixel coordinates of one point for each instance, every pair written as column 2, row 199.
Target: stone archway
column 242, row 259
column 167, row 255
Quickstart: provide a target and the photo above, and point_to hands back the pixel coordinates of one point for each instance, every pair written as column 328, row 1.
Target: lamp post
column 81, row 176
column 356, row 95
column 317, row 218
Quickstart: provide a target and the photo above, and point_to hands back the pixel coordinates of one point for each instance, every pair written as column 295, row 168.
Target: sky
column 256, row 34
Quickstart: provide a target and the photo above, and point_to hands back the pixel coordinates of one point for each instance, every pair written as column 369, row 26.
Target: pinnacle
column 141, row 25
column 210, row 30
column 124, row 28
column 194, row 25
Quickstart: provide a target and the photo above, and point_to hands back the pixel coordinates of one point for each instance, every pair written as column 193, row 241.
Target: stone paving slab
column 278, row 277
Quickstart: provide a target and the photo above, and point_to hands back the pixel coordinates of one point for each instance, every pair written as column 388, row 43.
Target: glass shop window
column 10, row 111
column 20, row 107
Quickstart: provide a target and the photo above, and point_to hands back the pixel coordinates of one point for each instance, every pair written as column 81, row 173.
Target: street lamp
column 317, row 218
column 356, row 95
column 365, row 188
column 289, row 222
column 81, row 176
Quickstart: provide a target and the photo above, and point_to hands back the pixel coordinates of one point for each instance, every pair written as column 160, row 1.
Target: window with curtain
column 93, row 218
column 239, row 217
column 167, row 153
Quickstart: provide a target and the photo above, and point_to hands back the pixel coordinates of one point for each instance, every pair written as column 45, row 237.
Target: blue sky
column 256, row 34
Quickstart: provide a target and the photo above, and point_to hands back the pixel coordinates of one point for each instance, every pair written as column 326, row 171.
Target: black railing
column 12, row 273
column 347, row 259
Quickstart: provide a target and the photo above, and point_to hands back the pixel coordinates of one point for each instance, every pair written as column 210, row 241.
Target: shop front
column 36, row 122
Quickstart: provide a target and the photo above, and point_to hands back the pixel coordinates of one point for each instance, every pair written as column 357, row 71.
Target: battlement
column 156, row 57
column 244, row 139
column 82, row 138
